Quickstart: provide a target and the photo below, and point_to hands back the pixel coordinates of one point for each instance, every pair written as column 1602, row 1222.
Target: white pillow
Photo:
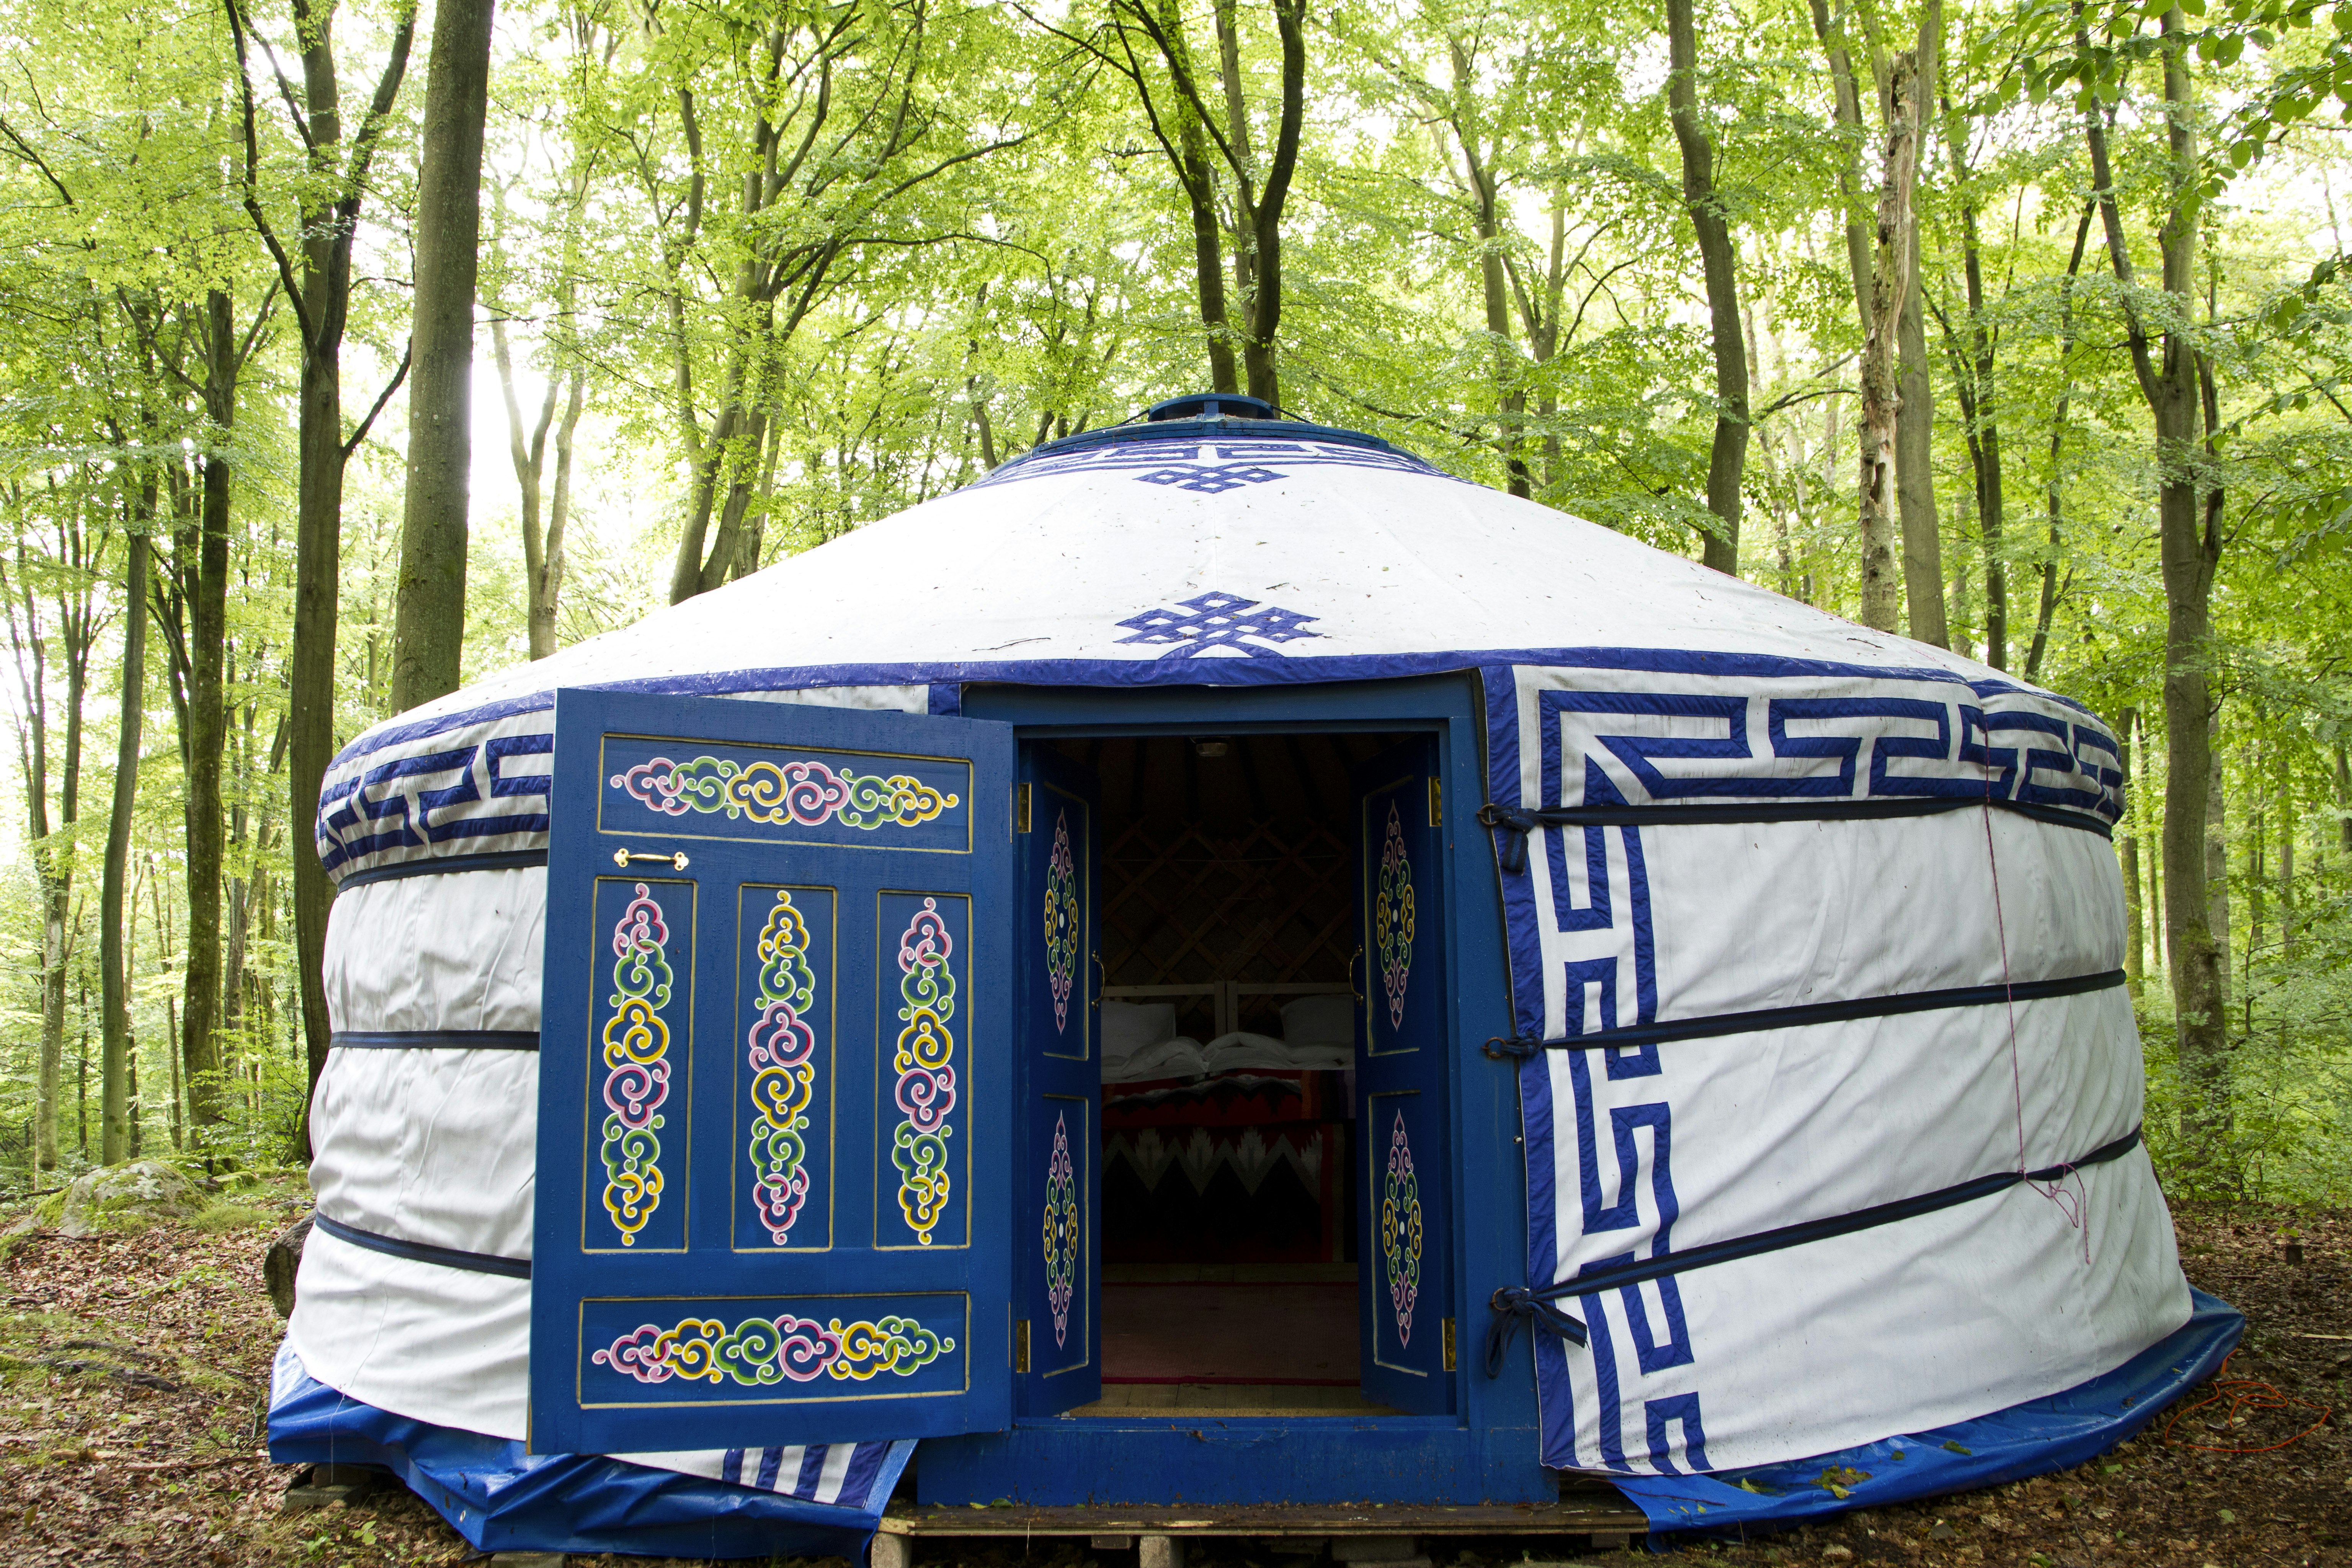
column 1243, row 1049
column 1131, row 1026
column 1320, row 1021
column 1179, row 1058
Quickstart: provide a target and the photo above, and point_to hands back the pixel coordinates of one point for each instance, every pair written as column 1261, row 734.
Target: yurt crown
column 1211, row 406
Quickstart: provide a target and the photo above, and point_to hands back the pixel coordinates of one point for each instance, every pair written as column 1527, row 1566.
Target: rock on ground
column 113, row 1195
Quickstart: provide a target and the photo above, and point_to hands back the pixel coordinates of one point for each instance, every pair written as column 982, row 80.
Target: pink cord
column 2076, row 1210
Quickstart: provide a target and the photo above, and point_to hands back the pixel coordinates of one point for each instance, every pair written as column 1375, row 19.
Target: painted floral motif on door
column 760, row 1351
column 926, row 1089
column 1061, row 1231
column 1393, row 918
column 1400, row 1231
column 807, row 793
column 1062, row 921
column 637, row 1067
column 781, row 1051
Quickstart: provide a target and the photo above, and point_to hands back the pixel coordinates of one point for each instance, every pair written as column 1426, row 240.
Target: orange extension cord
column 2245, row 1395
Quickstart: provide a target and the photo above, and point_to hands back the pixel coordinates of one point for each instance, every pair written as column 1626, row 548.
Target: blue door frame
column 1488, row 1450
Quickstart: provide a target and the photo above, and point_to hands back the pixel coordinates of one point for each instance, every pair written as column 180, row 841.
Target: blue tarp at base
column 502, row 1499
column 2030, row 1440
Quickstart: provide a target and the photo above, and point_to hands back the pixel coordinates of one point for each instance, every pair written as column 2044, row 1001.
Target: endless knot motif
column 1061, row 1231
column 1061, row 921
column 926, row 1090
column 1210, row 479
column 1393, row 918
column 1218, row 620
column 637, row 1078
column 768, row 1349
column 1400, row 1231
column 783, row 1055
column 806, row 793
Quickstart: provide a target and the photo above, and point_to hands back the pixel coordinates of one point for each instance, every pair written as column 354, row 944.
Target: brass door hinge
column 1020, row 808
column 1436, row 804
column 1021, row 1346
column 1446, row 1324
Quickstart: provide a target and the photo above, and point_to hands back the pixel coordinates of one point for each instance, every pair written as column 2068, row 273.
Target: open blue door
column 1057, row 1331
column 1403, row 1120
column 775, row 1095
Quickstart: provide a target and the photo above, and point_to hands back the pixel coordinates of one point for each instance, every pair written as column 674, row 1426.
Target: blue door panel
column 1059, row 1277
column 1403, row 1123
column 776, row 1077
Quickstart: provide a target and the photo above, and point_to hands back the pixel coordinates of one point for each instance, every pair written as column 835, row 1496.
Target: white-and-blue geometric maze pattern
column 479, row 787
column 1921, row 740
column 1583, row 928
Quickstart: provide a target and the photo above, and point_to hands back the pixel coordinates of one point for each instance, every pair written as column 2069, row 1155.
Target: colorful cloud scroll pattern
column 781, row 1053
column 1061, row 1230
column 637, row 1066
column 757, row 1351
column 926, row 1089
column 805, row 792
column 1393, row 924
column 1400, row 1231
column 1062, row 921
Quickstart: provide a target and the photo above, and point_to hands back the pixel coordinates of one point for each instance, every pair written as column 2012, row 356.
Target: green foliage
column 822, row 261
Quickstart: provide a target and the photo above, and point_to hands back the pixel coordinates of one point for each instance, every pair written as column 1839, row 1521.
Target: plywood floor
column 1259, row 1333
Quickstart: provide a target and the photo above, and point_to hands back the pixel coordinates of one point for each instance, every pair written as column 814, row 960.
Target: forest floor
column 134, row 1375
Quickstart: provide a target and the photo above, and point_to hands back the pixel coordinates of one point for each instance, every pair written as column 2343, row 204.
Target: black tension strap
column 425, row 1252
column 1521, row 1047
column 1516, row 1303
column 1514, row 825
column 435, row 1039
column 440, row 865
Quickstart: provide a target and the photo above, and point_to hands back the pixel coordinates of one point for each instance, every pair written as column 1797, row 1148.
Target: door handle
column 1352, row 972
column 621, row 857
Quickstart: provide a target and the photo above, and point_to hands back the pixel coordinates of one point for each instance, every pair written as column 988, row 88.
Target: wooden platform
column 1601, row 1513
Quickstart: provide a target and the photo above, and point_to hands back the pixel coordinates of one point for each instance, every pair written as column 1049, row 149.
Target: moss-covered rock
column 122, row 1197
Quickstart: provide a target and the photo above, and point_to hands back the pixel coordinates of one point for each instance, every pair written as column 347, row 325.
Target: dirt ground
column 134, row 1375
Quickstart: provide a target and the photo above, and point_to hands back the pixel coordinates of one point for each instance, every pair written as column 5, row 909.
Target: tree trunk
column 1915, row 472
column 1727, row 454
column 429, row 614
column 527, row 450
column 2344, row 799
column 1915, row 418
column 1266, row 207
column 2217, row 858
column 320, row 296
column 549, row 589
column 2287, row 836
column 116, row 1084
column 2190, row 548
column 207, row 725
column 1890, row 284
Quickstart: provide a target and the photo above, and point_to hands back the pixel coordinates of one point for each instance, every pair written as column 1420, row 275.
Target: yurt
column 1222, row 965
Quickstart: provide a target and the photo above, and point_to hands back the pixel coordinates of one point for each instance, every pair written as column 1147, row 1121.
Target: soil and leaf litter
column 134, row 1378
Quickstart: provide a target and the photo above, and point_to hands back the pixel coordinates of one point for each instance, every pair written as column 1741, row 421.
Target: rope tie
column 1515, row 1304
column 1511, row 830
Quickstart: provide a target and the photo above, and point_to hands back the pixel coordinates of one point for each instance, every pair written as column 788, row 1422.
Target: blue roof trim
column 1295, row 670
column 1197, row 430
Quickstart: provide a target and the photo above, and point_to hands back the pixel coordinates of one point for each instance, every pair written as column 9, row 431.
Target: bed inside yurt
column 1222, row 965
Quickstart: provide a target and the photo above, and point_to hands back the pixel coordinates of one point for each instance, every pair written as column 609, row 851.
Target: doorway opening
column 1231, row 1027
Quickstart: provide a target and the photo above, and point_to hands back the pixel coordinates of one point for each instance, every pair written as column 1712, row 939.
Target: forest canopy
column 348, row 351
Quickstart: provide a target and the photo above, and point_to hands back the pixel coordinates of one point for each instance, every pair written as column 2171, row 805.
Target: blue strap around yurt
column 2034, row 1438
column 501, row 1499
